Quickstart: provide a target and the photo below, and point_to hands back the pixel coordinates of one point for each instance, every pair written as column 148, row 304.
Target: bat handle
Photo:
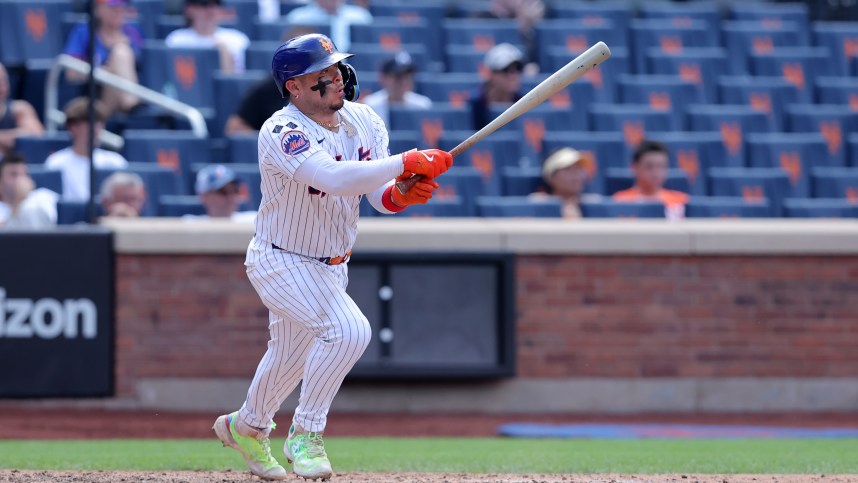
column 406, row 185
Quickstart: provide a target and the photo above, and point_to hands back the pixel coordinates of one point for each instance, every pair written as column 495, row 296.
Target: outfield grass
column 477, row 455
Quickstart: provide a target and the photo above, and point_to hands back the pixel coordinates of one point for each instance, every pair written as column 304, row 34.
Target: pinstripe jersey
column 297, row 217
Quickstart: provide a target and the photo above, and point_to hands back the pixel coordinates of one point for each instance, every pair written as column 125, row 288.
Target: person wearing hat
column 118, row 45
column 204, row 31
column 397, row 81
column 566, row 172
column 649, row 164
column 221, row 192
column 504, row 63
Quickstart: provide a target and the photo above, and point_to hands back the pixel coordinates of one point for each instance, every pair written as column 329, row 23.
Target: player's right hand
column 428, row 162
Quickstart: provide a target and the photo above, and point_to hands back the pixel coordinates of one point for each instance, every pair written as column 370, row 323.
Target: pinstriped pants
column 317, row 334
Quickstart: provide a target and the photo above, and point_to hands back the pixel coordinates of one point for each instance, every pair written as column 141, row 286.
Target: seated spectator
column 397, row 82
column 566, row 173
column 73, row 161
column 221, row 192
column 336, row 13
column 649, row 164
column 258, row 104
column 123, row 194
column 204, row 30
column 527, row 13
column 22, row 205
column 503, row 86
column 117, row 47
column 17, row 117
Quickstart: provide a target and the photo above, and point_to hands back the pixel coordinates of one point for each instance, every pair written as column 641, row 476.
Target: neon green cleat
column 255, row 449
column 306, row 452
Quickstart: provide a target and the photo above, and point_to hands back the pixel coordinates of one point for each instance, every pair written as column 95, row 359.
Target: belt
column 325, row 260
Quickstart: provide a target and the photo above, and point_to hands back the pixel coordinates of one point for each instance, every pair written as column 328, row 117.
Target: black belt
column 325, row 260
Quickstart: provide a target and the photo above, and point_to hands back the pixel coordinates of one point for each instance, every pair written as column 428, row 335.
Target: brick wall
column 595, row 316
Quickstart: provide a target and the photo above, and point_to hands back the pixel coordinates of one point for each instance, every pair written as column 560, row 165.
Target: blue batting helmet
column 304, row 55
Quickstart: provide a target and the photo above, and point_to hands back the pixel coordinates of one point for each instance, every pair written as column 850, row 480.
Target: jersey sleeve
column 285, row 144
column 381, row 140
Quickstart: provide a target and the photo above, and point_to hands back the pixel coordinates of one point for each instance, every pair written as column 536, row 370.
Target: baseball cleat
column 306, row 452
column 256, row 450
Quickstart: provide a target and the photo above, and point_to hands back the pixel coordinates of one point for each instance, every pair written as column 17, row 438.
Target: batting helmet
column 304, row 55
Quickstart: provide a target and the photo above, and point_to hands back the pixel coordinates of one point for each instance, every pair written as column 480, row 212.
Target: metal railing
column 55, row 117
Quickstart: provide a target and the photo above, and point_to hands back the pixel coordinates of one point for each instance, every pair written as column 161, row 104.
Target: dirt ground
column 235, row 477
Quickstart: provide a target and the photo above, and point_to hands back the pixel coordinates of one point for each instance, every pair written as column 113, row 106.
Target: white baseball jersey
column 299, row 218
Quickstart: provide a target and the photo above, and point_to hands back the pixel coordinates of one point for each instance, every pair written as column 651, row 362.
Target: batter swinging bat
column 567, row 74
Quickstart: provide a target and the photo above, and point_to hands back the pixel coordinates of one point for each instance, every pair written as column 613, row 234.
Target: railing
column 55, row 117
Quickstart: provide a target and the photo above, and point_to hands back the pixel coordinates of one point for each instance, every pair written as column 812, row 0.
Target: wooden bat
column 566, row 75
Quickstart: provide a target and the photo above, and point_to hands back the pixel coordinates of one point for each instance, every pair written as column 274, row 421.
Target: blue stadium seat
column 480, row 34
column 616, row 209
column 453, row 88
column 148, row 13
column 603, row 149
column 36, row 149
column 679, row 14
column 532, row 126
column 693, row 153
column 465, row 60
column 158, row 180
column 733, row 123
column 184, row 74
column 368, row 58
column 668, row 38
column 800, row 66
column 180, row 205
column 389, row 34
column 726, row 207
column 411, row 12
column 521, row 181
column 174, row 150
column 451, row 206
column 773, row 14
column 618, row 13
column 618, row 179
column 259, row 54
column 31, row 30
column 852, row 141
column 834, row 122
column 462, row 181
column 769, row 95
column 74, row 212
column 249, row 174
column 820, row 208
column 242, row 14
column 752, row 184
column 835, row 183
column 670, row 94
column 838, row 90
column 243, row 148
column 794, row 153
column 576, row 99
column 633, row 120
column 229, row 90
column 701, row 67
column 519, row 206
column 571, row 37
column 841, row 39
column 48, row 179
column 400, row 141
column 745, row 38
column 280, row 30
column 488, row 157
column 603, row 78
column 431, row 123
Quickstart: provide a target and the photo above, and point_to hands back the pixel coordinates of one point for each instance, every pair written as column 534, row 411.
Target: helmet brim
column 325, row 63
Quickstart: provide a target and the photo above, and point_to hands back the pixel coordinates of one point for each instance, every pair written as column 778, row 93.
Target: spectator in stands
column 339, row 15
column 117, row 47
column 649, row 164
column 73, row 161
column 221, row 192
column 123, row 194
column 397, row 81
column 17, row 117
column 566, row 173
column 504, row 62
column 258, row 104
column 22, row 205
column 528, row 13
column 204, row 30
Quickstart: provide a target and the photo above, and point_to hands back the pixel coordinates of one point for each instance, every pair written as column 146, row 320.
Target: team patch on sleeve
column 294, row 142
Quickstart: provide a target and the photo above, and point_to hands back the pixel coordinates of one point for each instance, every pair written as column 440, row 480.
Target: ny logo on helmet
column 327, row 45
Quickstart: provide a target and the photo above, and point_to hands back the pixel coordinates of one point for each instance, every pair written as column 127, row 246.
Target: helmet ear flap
column 350, row 81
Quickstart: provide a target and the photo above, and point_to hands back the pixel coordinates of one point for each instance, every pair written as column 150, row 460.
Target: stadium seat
column 462, row 181
column 618, row 179
column 733, row 123
column 773, row 14
column 726, row 207
column 699, row 66
column 820, row 208
column 229, row 90
column 31, row 30
column 614, row 209
column 835, row 183
column 74, row 212
column 184, row 74
column 745, row 38
column 834, row 122
column 800, row 66
column 769, row 95
column 465, row 60
column 838, row 90
column 603, row 149
column 412, row 12
column 576, row 99
column 242, row 14
column 36, row 149
column 532, row 126
column 841, row 39
column 633, row 120
column 259, row 54
column 453, row 88
column 670, row 94
column 603, row 78
column 852, row 141
column 389, row 34
column 431, row 123
column 679, row 14
column 619, row 13
column 243, row 148
column 667, row 37
column 174, row 150
column 521, row 181
column 368, row 58
column 480, row 34
column 400, row 141
column 451, row 206
column 571, row 37
column 45, row 178
column 519, row 206
column 147, row 14
column 794, row 153
column 180, row 205
column 752, row 184
column 488, row 157
column 249, row 174
column 158, row 180
column 693, row 153
column 280, row 30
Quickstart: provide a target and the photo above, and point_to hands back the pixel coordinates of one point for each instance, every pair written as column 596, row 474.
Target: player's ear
column 292, row 87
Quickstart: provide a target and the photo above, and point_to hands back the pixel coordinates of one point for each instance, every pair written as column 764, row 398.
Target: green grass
column 479, row 455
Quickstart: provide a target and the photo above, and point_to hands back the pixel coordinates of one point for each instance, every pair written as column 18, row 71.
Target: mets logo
column 294, row 142
column 327, row 45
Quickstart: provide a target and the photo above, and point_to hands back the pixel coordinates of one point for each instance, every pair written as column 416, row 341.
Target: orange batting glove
column 428, row 162
column 418, row 194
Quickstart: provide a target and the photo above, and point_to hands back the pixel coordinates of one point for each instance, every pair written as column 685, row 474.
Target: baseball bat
column 569, row 73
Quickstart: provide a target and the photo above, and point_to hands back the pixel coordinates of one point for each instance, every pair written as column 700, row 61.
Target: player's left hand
column 418, row 194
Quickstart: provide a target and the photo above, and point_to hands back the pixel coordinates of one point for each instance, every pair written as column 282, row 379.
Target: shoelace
column 315, row 446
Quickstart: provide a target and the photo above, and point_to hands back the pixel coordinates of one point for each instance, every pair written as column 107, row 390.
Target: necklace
column 331, row 125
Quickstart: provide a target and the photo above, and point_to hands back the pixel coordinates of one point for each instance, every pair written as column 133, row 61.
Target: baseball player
column 318, row 156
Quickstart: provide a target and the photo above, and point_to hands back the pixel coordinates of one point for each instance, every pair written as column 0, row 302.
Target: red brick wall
column 599, row 316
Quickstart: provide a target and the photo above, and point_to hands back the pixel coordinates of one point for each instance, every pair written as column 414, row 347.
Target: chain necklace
column 331, row 125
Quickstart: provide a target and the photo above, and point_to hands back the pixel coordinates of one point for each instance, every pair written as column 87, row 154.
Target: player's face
column 651, row 170
column 334, row 94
